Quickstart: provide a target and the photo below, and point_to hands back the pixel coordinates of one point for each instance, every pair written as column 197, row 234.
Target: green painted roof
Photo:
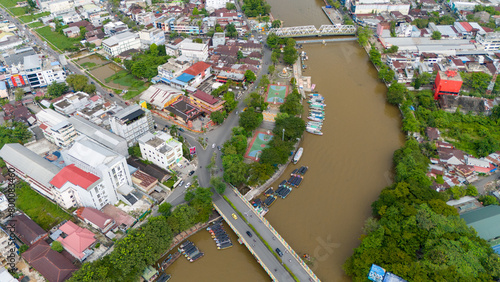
column 485, row 220
column 149, row 272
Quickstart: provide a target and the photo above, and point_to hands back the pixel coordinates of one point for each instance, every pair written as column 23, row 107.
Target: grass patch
column 60, row 41
column 42, row 211
column 18, row 11
column 9, row 3
column 30, row 18
column 88, row 65
column 291, row 273
column 132, row 93
column 35, row 24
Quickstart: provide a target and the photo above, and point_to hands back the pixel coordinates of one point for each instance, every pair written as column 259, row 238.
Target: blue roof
column 3, row 86
column 496, row 249
column 54, row 63
column 185, row 77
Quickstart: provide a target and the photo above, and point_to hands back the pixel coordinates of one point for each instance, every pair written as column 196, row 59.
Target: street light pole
column 283, row 137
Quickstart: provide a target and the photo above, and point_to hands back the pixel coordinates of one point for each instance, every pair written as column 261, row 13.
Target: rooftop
column 26, row 229
column 209, row 99
column 129, row 113
column 95, row 216
column 114, row 40
column 74, row 175
column 485, row 220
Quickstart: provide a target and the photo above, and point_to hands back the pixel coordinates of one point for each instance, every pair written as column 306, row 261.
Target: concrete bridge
column 277, row 269
column 311, row 30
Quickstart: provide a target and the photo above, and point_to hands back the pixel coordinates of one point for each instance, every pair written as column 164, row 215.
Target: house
column 71, row 32
column 154, row 35
column 451, row 156
column 200, row 72
column 206, row 102
column 123, row 220
column 466, row 104
column 96, row 219
column 121, row 42
column 480, row 165
column 76, row 240
column 26, row 229
column 171, row 69
column 151, row 169
column 144, row 181
column 432, row 133
column 160, row 149
column 51, row 264
column 447, row 83
column 216, row 4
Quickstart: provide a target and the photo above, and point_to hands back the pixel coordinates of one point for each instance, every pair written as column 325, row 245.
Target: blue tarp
column 496, row 249
column 56, row 63
column 185, row 77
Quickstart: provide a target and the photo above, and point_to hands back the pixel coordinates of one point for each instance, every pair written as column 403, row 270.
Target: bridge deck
column 310, row 30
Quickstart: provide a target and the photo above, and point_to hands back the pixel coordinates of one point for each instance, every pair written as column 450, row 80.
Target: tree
column 294, row 127
column 231, row 30
column 436, row 35
column 471, row 191
column 272, row 40
column 239, row 55
column 56, row 89
column 396, row 93
column 250, row 76
column 488, row 200
column 276, row 24
column 89, row 88
column 392, row 49
column 23, row 248
column 230, row 6
column 364, row 33
column 165, row 209
column 77, row 81
column 386, row 74
column 231, row 102
column 271, row 69
column 19, row 94
column 135, row 151
column 250, row 119
column 57, row 246
column 290, row 54
column 217, row 117
column 260, row 172
column 218, row 184
column 195, row 11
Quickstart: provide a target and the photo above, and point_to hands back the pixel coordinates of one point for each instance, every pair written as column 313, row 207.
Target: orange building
column 447, row 83
column 206, row 102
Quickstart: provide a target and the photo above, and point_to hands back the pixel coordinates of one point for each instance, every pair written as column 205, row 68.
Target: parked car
column 127, row 103
column 180, row 183
column 278, row 251
column 188, row 184
column 181, row 129
column 111, row 95
column 213, row 145
column 218, row 148
column 249, row 234
column 191, row 172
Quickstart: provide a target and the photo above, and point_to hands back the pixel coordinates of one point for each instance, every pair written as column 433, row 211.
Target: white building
column 104, row 163
column 219, row 38
column 148, row 37
column 377, row 6
column 6, row 252
column 62, row 6
column 161, row 149
column 112, row 27
column 74, row 187
column 131, row 123
column 490, row 41
column 171, row 69
column 193, row 51
column 72, row 102
column 216, row 4
column 121, row 42
column 56, row 128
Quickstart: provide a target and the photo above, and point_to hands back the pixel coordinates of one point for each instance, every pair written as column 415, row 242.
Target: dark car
column 181, row 129
column 218, row 148
column 249, row 234
column 111, row 95
column 278, row 251
column 191, row 172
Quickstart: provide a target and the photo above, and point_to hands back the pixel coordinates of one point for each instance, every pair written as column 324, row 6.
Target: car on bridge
column 278, row 251
column 234, row 216
column 249, row 234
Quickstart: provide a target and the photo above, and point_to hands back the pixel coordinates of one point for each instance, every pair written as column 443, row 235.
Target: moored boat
column 314, row 131
column 298, row 155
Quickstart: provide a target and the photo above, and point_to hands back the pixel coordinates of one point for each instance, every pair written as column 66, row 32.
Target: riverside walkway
column 277, row 269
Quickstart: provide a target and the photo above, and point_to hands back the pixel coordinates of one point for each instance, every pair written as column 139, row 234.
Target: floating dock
column 220, row 236
column 190, row 251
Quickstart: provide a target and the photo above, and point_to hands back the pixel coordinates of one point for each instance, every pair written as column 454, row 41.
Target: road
column 485, row 180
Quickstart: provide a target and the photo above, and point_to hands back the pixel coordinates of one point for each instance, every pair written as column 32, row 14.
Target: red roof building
column 96, row 218
column 51, row 264
column 77, row 240
column 206, row 102
column 74, row 175
column 197, row 68
column 447, row 83
column 26, row 229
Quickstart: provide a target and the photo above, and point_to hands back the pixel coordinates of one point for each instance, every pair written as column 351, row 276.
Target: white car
column 188, row 184
column 213, row 146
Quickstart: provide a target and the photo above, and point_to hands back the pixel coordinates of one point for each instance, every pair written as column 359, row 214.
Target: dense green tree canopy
column 250, row 119
column 56, row 89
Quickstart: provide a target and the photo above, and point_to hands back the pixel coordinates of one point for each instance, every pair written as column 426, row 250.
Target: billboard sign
column 192, row 150
column 376, row 273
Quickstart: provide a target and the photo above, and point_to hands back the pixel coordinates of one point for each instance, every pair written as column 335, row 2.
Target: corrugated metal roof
column 485, row 221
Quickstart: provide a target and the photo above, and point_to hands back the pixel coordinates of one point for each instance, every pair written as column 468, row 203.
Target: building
column 76, row 240
column 8, row 252
column 206, row 102
column 35, row 170
column 4, row 92
column 160, row 149
column 114, row 27
column 104, row 163
column 132, row 122
column 485, row 221
column 71, row 32
column 61, row 6
column 121, row 42
column 72, row 102
column 171, row 69
column 96, row 219
column 51, row 264
column 148, row 37
column 216, row 4
column 161, row 95
column 200, row 71
column 377, row 6
column 100, row 135
column 26, row 229
column 490, row 41
column 447, row 83
column 145, row 182
column 5, row 276
column 9, row 41
column 56, row 128
column 219, row 38
column 193, row 51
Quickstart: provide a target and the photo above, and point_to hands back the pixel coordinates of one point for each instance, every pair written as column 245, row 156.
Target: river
column 348, row 166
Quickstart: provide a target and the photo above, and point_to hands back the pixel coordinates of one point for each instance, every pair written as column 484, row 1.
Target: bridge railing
column 312, row 30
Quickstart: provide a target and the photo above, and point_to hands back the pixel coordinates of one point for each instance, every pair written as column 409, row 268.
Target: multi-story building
column 131, row 123
column 30, row 167
column 171, row 69
column 106, row 164
column 206, row 102
column 114, row 27
column 8, row 252
column 377, row 6
column 194, row 51
column 56, row 128
column 74, row 187
column 100, row 135
column 490, row 41
column 219, row 38
column 121, row 42
column 72, row 102
column 161, row 149
column 61, row 6
column 183, row 25
column 216, row 4
column 148, row 37
column 447, row 83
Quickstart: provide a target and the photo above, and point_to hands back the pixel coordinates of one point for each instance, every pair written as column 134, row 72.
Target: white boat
column 314, row 95
column 314, row 118
column 313, row 127
column 298, row 155
column 314, row 131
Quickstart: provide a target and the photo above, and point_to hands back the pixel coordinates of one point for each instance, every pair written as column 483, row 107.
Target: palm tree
column 173, row 129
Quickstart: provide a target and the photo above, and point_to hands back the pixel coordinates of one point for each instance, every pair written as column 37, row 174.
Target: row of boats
column 220, row 236
column 316, row 113
column 190, row 251
column 286, row 186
